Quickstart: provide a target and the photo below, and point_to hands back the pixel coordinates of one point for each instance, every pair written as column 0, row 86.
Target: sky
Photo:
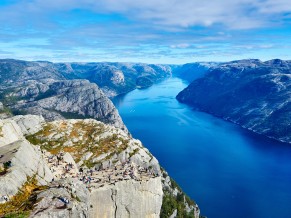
column 149, row 31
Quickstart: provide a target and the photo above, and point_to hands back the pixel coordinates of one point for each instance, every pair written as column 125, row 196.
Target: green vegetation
column 18, row 112
column 133, row 152
column 7, row 96
column 6, row 110
column 172, row 202
column 17, row 215
column 3, row 170
column 71, row 115
column 47, row 94
column 1, row 133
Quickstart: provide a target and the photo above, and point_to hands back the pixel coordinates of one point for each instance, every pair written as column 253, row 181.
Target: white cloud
column 183, row 45
column 234, row 14
column 150, row 28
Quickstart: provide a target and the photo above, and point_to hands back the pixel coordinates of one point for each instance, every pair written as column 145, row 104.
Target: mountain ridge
column 250, row 93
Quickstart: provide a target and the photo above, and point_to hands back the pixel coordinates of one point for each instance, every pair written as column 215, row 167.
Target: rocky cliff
column 251, row 93
column 65, row 99
column 82, row 168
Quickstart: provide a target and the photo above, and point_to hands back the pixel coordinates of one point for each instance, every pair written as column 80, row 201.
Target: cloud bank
column 137, row 28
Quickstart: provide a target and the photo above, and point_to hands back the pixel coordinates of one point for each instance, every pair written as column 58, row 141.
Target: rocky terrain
column 112, row 78
column 61, row 99
column 116, row 78
column 82, row 168
column 251, row 93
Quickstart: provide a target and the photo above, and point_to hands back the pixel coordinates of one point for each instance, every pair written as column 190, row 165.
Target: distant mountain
column 116, row 78
column 192, row 71
column 251, row 93
column 61, row 99
column 39, row 88
column 112, row 78
column 13, row 72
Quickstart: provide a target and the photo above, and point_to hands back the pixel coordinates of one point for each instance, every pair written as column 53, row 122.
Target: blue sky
column 151, row 31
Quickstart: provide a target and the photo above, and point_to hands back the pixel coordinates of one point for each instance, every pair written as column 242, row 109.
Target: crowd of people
column 97, row 176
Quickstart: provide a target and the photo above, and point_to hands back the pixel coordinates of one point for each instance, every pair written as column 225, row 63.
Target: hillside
column 251, row 93
column 116, row 78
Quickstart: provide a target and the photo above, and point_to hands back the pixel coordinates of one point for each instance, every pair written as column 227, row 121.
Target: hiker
column 5, row 197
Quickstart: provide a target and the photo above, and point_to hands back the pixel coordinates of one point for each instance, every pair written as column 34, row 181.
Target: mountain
column 82, row 168
column 13, row 72
column 71, row 90
column 251, row 93
column 112, row 78
column 116, row 78
column 60, row 99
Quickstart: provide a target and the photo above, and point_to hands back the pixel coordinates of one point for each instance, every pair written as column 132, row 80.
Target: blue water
column 230, row 172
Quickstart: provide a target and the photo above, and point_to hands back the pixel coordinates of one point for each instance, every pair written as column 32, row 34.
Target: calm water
column 230, row 172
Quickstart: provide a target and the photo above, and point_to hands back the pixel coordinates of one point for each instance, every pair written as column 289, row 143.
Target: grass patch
column 133, row 152
column 22, row 203
column 22, row 214
column 1, row 131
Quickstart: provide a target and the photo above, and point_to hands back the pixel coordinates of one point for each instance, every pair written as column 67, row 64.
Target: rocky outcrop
column 9, row 132
column 26, row 162
column 29, row 124
column 251, row 93
column 51, row 201
column 89, row 169
column 25, row 159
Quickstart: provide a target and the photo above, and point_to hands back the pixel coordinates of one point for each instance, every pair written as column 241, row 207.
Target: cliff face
column 62, row 99
column 251, row 93
column 128, row 199
column 25, row 159
column 80, row 168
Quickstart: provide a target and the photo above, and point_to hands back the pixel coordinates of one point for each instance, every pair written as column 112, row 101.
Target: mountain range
column 254, row 94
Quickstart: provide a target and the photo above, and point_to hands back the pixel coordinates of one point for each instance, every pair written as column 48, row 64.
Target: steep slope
column 92, row 170
column 66, row 99
column 60, row 99
column 251, row 93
